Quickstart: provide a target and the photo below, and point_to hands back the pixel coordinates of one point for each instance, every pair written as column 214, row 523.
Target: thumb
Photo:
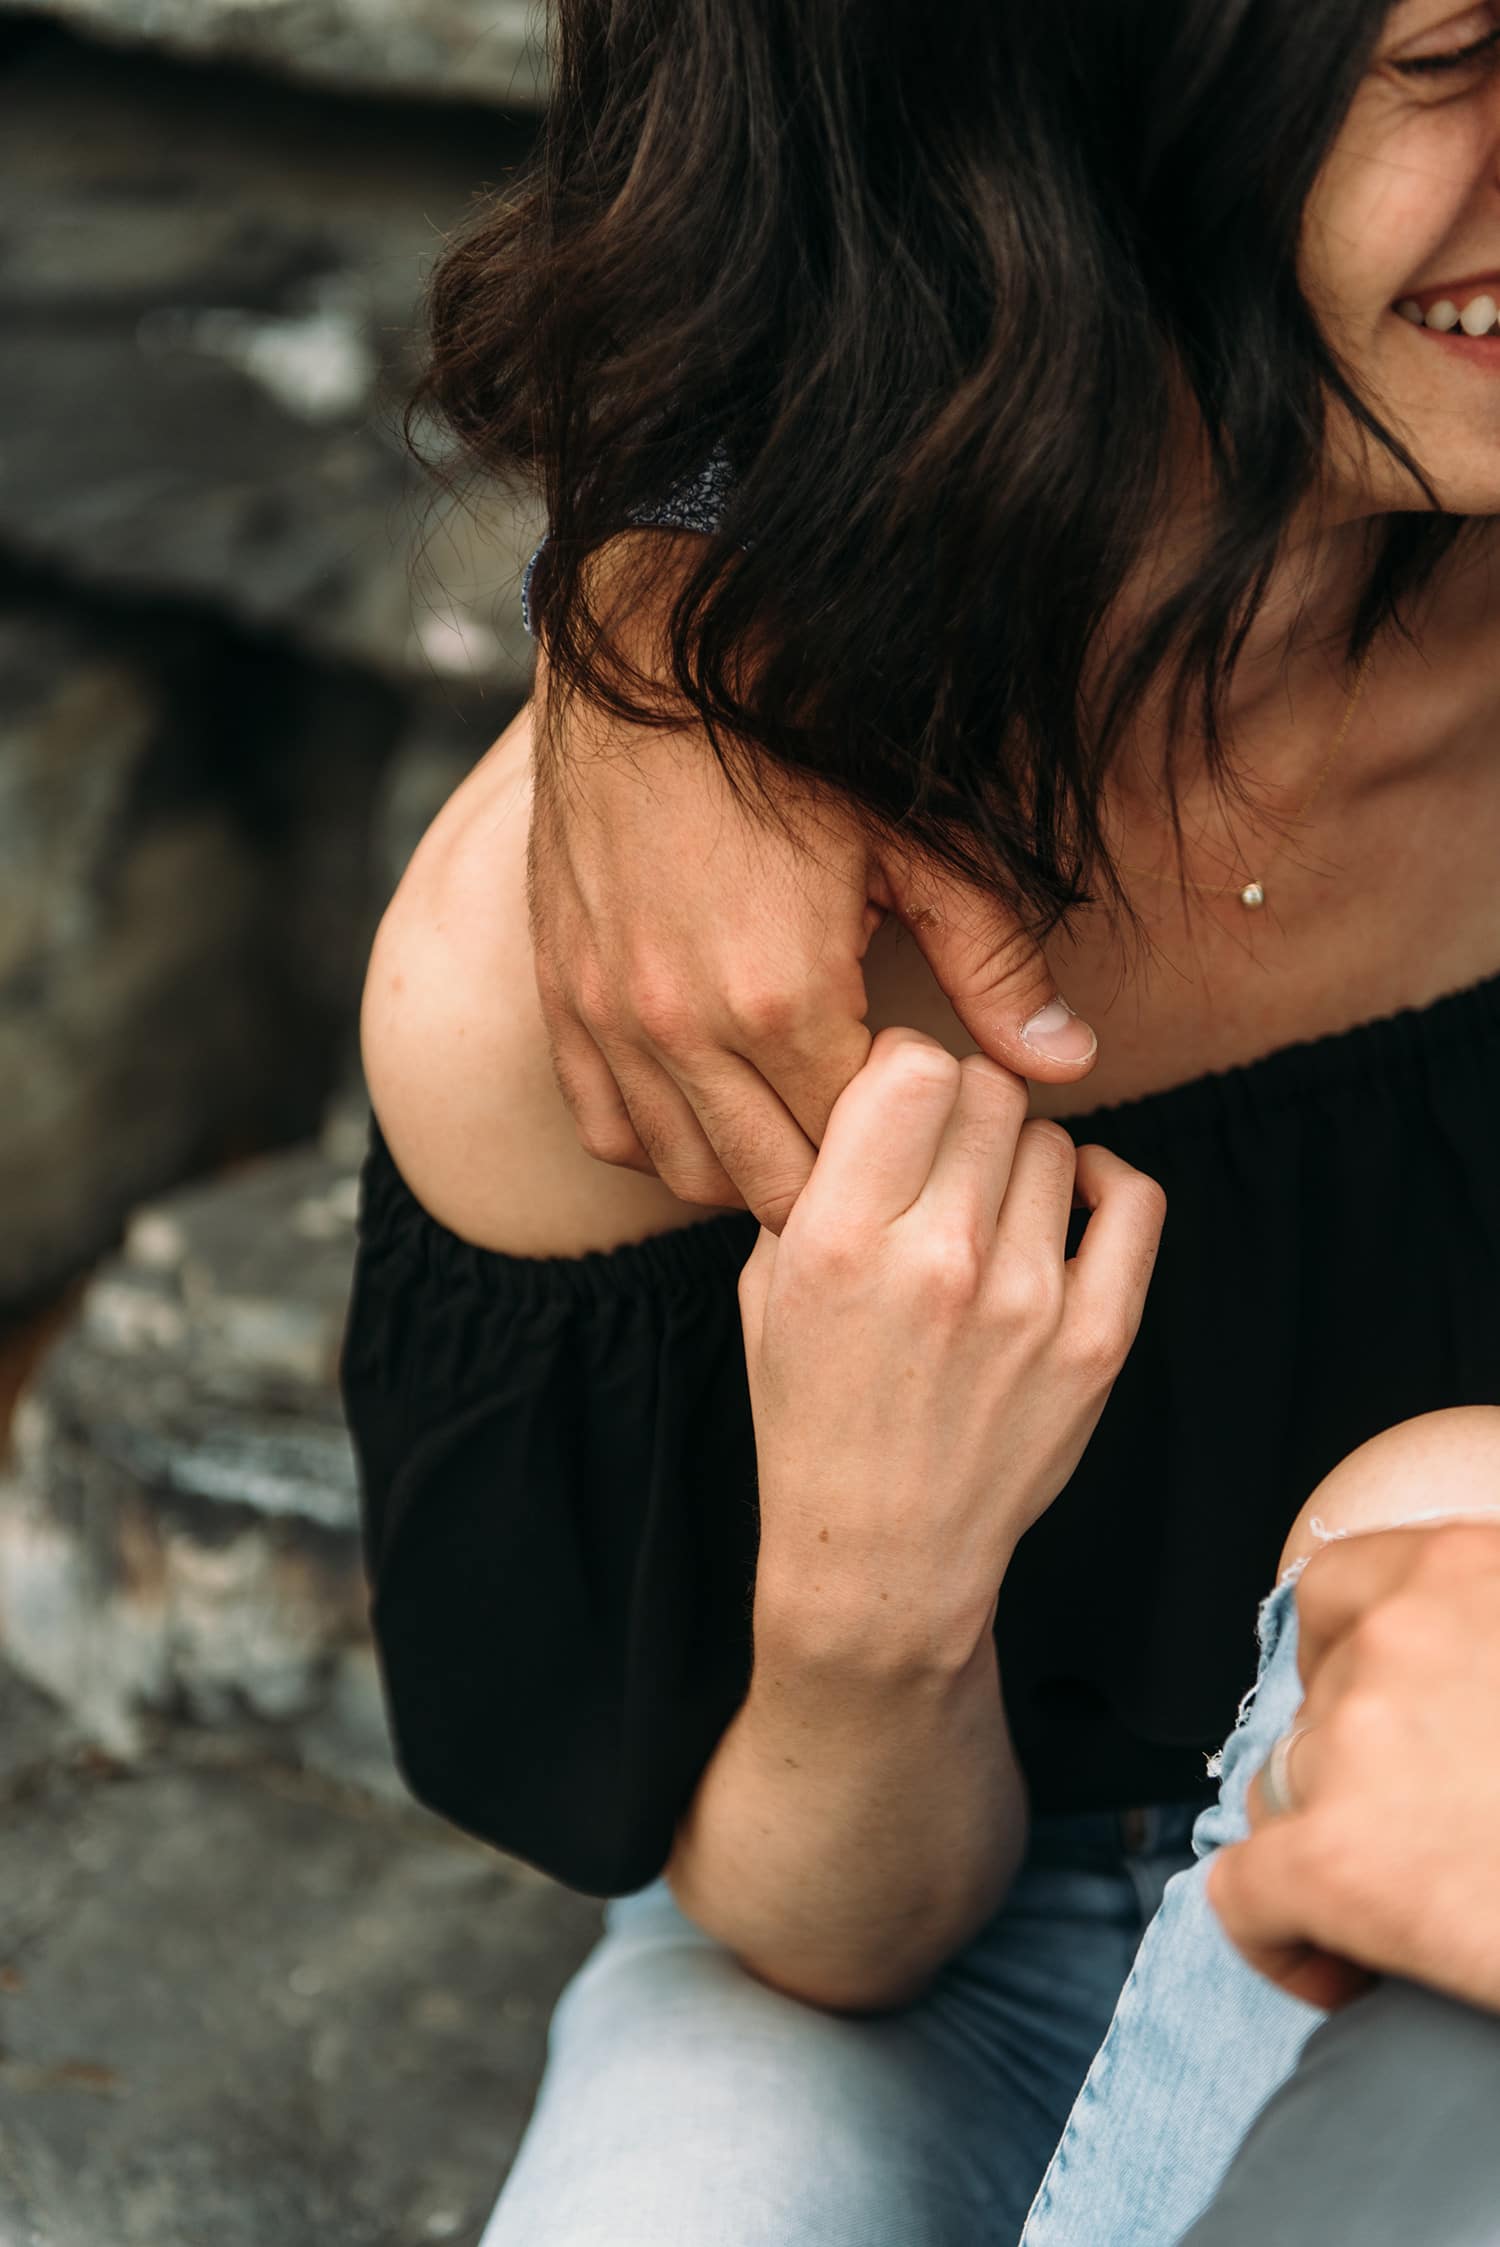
column 993, row 974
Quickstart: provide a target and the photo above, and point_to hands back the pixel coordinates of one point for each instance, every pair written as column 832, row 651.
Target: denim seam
column 1269, row 1624
column 1094, row 2083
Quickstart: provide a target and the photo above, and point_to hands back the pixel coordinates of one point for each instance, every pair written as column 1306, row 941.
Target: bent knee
column 1437, row 1464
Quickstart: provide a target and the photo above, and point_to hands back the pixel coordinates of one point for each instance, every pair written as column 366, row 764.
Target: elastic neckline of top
column 716, row 1246
column 396, row 1224
column 1284, row 1074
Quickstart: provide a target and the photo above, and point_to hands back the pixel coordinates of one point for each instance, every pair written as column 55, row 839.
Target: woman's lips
column 1481, row 351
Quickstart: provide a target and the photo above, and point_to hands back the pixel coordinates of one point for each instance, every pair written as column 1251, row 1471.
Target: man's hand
column 701, row 974
column 1390, row 1863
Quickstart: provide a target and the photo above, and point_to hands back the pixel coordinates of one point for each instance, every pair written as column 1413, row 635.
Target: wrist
column 850, row 1635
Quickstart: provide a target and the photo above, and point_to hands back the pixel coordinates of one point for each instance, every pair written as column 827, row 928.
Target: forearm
column 860, row 1818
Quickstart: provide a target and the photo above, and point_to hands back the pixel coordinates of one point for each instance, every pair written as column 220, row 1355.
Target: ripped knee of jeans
column 1271, row 1618
column 1424, row 1516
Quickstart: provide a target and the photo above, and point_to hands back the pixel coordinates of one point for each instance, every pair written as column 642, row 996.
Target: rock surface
column 209, row 324
column 179, row 1526
column 471, row 50
column 238, row 2003
column 240, row 2006
column 185, row 909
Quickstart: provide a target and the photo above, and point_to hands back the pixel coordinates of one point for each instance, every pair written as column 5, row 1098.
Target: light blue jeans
column 1079, row 2075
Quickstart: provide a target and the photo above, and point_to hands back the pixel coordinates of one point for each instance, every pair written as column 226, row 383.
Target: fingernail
column 1059, row 1033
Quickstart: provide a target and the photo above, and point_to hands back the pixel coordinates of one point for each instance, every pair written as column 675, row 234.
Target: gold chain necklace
column 1253, row 894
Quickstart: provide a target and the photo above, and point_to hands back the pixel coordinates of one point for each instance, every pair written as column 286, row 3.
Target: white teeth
column 1478, row 316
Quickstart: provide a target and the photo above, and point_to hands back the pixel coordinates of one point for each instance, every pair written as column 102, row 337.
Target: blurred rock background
column 247, row 1992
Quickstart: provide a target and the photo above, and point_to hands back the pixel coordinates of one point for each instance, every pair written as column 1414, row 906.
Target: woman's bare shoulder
column 455, row 1046
column 455, row 1049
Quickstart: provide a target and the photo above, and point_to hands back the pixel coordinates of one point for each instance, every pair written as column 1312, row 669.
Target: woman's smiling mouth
column 1460, row 312
column 1463, row 316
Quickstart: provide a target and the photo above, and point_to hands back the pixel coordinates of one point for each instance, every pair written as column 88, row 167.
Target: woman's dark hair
column 938, row 283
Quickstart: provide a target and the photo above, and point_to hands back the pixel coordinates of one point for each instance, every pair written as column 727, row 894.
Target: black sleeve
column 557, row 1471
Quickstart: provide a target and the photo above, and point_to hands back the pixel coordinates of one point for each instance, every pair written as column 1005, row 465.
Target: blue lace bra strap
column 695, row 505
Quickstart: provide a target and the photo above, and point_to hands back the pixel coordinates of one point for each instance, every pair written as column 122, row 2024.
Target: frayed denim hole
column 1214, row 1764
column 1271, row 1615
column 1270, row 1625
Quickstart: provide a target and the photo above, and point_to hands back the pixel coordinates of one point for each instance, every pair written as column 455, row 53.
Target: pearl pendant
column 1252, row 895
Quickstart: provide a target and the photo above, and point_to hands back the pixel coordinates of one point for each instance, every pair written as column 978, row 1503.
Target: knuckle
column 1142, row 1195
column 770, row 1195
column 1095, row 1348
column 661, row 1009
column 610, row 1142
column 830, row 1251
column 589, row 992
column 701, row 1184
column 923, row 1069
column 1392, row 1634
column 1316, row 1850
column 1326, row 1862
column 949, row 1268
column 1360, row 1725
column 1027, row 1291
column 1041, row 1132
column 766, row 1013
column 978, row 1068
column 1000, row 955
column 1149, row 1197
column 773, row 1206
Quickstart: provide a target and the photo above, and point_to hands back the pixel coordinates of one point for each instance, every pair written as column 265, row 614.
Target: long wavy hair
column 937, row 283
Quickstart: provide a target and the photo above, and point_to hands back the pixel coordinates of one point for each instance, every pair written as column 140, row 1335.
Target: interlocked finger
column 663, row 1119
column 600, row 1117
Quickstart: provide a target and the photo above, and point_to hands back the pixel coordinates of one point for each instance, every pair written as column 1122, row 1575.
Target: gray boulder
column 178, row 1531
column 209, row 323
column 185, row 910
column 471, row 50
column 127, row 1031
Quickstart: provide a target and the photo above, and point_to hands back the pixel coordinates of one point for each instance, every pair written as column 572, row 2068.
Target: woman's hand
column 701, row 972
column 926, row 1364
column 1388, row 1863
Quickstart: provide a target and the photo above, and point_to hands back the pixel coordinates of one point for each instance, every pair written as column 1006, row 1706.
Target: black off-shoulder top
column 557, row 1460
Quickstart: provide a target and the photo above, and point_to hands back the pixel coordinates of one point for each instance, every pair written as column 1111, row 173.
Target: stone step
column 242, row 2005
column 179, row 1537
